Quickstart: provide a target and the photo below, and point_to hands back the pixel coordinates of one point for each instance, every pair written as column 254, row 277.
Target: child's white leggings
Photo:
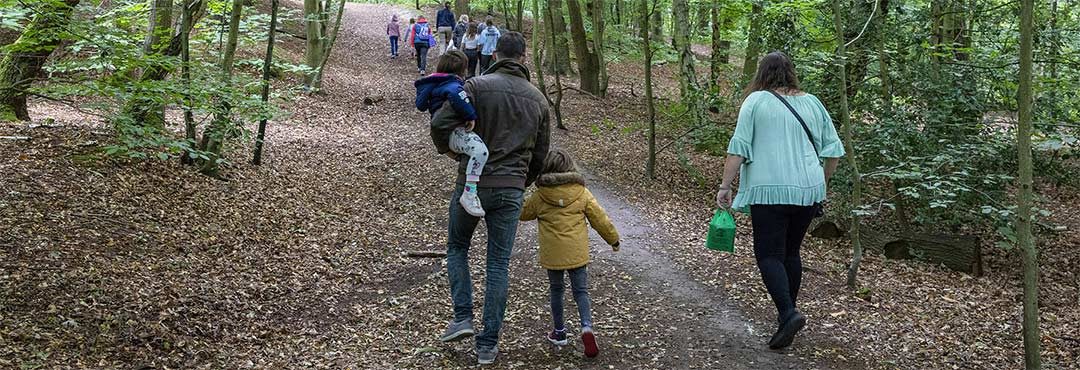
column 470, row 144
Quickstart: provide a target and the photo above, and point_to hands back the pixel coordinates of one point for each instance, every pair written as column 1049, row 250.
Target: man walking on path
column 512, row 118
column 445, row 23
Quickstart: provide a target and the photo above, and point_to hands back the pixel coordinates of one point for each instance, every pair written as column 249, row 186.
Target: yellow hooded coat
column 562, row 205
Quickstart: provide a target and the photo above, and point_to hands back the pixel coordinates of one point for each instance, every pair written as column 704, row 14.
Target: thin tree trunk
column 329, row 46
column 538, row 54
column 186, row 14
column 216, row 133
column 646, row 43
column 1032, row 356
column 882, row 56
column 267, row 62
column 558, row 78
column 24, row 58
column 657, row 24
column 314, row 47
column 1054, row 53
column 753, row 41
column 849, row 144
column 599, row 27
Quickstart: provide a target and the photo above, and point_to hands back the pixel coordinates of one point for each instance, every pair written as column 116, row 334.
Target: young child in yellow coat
column 562, row 205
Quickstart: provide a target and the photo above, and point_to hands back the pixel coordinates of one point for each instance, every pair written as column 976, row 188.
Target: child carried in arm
column 445, row 90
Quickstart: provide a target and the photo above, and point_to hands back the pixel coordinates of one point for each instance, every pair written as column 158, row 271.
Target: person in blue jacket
column 446, row 88
column 444, row 21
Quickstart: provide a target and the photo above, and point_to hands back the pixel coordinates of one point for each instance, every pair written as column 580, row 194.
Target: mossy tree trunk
column 22, row 62
column 215, row 135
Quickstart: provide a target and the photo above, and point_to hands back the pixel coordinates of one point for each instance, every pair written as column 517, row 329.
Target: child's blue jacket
column 432, row 91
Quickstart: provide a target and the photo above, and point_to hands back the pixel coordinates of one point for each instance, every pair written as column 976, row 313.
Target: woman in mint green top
column 784, row 173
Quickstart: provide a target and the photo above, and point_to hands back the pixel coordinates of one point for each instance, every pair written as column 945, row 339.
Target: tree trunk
column 849, row 145
column 599, row 27
column 618, row 12
column 328, row 46
column 646, row 44
column 720, row 47
column 22, row 62
column 538, row 54
column 314, row 47
column 558, row 78
column 1032, row 356
column 753, row 41
column 267, row 62
column 1054, row 53
column 186, row 15
column 588, row 66
column 560, row 46
column 657, row 23
column 461, row 7
column 146, row 111
column 680, row 14
column 160, row 26
column 214, row 137
column 882, row 56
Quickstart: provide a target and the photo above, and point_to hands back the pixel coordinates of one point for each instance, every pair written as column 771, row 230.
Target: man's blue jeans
column 503, row 207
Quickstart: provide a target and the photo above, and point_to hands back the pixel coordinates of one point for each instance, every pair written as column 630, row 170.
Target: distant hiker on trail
column 422, row 40
column 512, row 118
column 782, row 137
column 393, row 29
column 562, row 204
column 459, row 30
column 409, row 36
column 444, row 20
column 446, row 86
column 469, row 46
column 489, row 41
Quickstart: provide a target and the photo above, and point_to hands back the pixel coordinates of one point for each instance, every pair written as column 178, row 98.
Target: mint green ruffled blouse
column 780, row 165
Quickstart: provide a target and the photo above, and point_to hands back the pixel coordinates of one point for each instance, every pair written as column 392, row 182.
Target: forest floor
column 299, row 263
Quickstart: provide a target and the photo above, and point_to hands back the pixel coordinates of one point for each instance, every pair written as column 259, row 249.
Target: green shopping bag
column 721, row 235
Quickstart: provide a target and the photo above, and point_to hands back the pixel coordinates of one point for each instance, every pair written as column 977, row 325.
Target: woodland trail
column 645, row 307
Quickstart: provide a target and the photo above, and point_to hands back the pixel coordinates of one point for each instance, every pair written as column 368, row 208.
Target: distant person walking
column 471, row 48
column 787, row 149
column 513, row 120
column 489, row 40
column 459, row 30
column 393, row 30
column 422, row 40
column 409, row 36
column 444, row 20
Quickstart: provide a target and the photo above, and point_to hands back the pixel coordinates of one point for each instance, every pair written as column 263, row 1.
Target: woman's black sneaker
column 786, row 334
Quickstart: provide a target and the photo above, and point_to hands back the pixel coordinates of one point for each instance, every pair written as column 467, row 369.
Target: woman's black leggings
column 778, row 235
column 474, row 59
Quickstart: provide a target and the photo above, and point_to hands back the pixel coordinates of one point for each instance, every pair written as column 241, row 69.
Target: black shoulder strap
column 806, row 129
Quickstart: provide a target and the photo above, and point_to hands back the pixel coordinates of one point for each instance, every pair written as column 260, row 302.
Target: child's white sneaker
column 471, row 203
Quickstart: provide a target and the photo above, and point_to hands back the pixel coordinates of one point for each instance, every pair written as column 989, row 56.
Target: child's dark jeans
column 579, row 285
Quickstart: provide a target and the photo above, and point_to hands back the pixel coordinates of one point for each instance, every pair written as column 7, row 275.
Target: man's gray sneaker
column 457, row 330
column 486, row 355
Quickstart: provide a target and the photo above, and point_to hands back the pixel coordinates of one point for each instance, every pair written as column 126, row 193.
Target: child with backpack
column 421, row 39
column 447, row 84
column 562, row 205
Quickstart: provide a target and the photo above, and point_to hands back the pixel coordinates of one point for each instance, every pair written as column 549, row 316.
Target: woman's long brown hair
column 775, row 71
